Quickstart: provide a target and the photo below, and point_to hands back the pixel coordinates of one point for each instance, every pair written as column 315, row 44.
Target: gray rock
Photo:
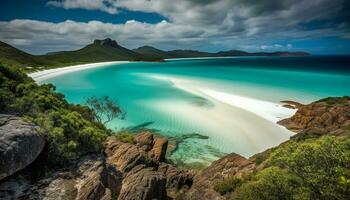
column 90, row 179
column 20, row 144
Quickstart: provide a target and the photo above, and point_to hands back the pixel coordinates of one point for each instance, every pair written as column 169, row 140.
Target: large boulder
column 20, row 144
column 89, row 179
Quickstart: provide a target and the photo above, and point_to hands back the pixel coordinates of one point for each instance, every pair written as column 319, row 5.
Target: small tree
column 105, row 110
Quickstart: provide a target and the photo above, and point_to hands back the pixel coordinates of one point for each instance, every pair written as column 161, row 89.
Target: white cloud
column 76, row 34
column 190, row 24
column 275, row 47
column 108, row 6
column 263, row 47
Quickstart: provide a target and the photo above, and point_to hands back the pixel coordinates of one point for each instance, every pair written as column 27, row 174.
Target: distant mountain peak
column 146, row 47
column 107, row 42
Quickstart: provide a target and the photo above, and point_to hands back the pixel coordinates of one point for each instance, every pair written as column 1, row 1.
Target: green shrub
column 227, row 185
column 69, row 130
column 272, row 183
column 320, row 163
column 310, row 169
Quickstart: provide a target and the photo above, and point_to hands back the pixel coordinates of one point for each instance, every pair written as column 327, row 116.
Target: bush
column 70, row 130
column 310, row 169
column 272, row 183
column 319, row 163
column 227, row 185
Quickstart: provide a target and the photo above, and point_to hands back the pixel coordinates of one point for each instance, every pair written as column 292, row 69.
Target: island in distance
column 109, row 50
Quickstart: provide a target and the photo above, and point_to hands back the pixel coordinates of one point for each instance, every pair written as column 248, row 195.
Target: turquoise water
column 158, row 103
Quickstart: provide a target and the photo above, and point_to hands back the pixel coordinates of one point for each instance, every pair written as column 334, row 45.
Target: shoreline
column 45, row 74
column 231, row 116
column 50, row 73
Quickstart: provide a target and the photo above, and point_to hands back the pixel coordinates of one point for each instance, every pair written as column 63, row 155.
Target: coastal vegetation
column 70, row 130
column 310, row 169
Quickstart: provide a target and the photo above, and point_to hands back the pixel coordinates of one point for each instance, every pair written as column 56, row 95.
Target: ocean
column 211, row 106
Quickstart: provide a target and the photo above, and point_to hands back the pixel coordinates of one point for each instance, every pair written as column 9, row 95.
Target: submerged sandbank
column 242, row 125
column 50, row 73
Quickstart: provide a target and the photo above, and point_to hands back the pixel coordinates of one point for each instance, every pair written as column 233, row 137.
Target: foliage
column 272, row 183
column 104, row 109
column 227, row 185
column 335, row 100
column 310, row 169
column 70, row 130
column 320, row 163
column 125, row 137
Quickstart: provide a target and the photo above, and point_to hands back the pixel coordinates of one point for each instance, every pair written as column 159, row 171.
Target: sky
column 316, row 26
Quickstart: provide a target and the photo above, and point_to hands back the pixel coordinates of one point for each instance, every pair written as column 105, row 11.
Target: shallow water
column 149, row 93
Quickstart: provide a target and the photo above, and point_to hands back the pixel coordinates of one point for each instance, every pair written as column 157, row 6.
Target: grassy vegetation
column 310, row 169
column 69, row 130
column 125, row 137
column 227, row 185
column 335, row 100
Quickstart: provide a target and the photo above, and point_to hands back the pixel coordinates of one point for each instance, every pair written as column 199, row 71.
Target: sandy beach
column 49, row 73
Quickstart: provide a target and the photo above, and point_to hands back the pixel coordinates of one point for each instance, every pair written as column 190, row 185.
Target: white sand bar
column 49, row 73
column 242, row 125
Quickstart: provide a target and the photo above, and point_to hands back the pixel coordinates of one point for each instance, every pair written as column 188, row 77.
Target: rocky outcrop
column 124, row 156
column 20, row 144
column 89, row 179
column 126, row 171
column 143, row 183
column 158, row 150
column 144, row 140
column 228, row 166
column 326, row 116
column 107, row 42
column 145, row 177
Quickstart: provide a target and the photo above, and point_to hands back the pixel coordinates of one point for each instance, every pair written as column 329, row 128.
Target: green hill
column 98, row 51
column 157, row 53
column 152, row 52
column 190, row 54
column 12, row 56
